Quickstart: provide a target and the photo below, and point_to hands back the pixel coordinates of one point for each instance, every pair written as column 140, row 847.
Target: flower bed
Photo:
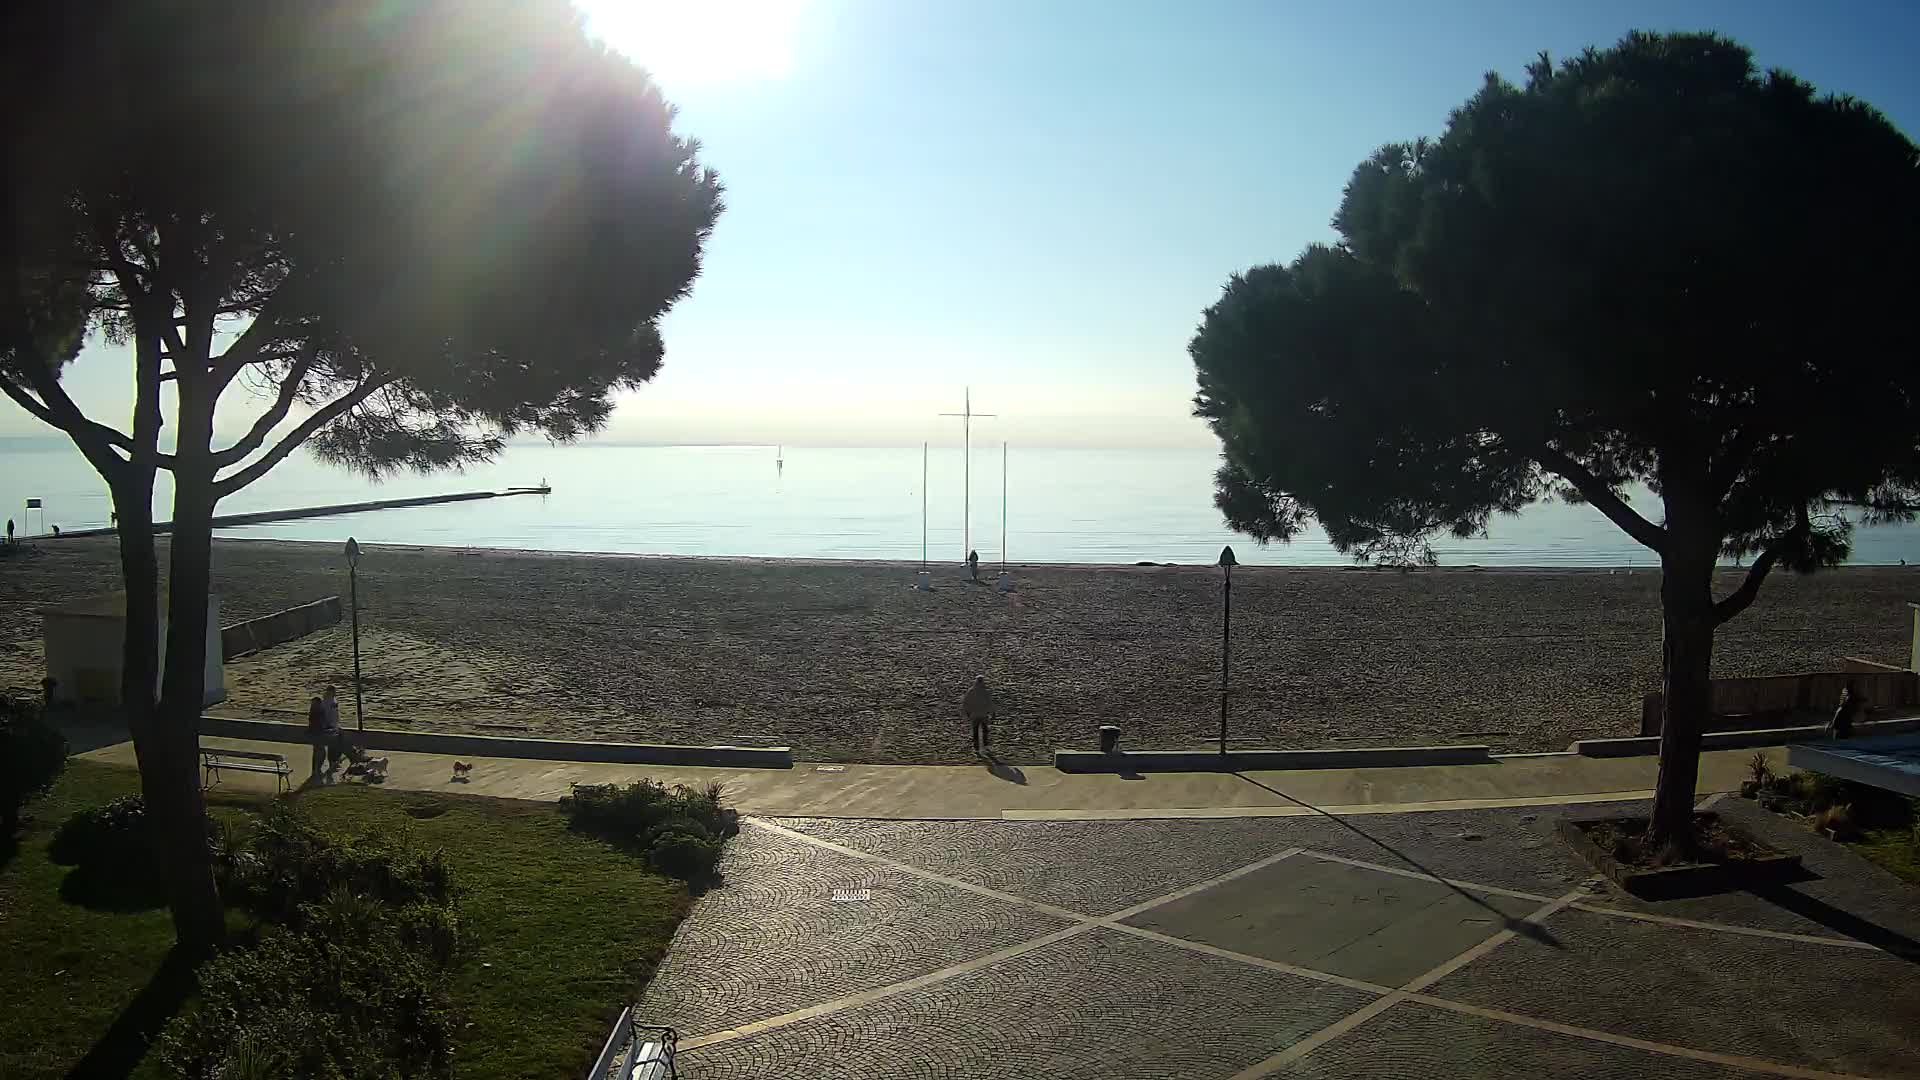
column 1721, row 856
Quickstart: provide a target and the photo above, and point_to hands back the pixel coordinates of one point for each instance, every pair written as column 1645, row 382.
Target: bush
column 290, row 862
column 353, row 982
column 1837, row 821
column 680, row 829
column 303, row 1005
column 685, row 856
column 115, row 832
column 33, row 753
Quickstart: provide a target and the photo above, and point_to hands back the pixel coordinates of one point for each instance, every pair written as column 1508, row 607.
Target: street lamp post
column 1227, row 563
column 353, row 590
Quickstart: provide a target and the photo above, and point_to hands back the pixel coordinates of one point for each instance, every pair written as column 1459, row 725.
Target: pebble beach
column 846, row 661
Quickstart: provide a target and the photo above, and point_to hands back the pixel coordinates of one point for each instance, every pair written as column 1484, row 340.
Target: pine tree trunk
column 1687, row 625
column 174, row 797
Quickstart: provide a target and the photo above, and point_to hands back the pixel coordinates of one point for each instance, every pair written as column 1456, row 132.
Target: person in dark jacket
column 322, row 739
column 1853, row 706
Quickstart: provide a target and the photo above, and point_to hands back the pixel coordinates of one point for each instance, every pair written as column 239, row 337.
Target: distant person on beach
column 978, row 708
column 322, row 739
column 1852, row 707
column 973, row 566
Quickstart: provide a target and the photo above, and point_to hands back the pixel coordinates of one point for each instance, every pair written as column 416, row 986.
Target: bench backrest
column 213, row 752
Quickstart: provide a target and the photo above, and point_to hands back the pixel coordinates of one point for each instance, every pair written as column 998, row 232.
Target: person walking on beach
column 978, row 709
column 973, row 566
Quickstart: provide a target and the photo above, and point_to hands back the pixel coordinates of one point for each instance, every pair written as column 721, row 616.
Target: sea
column 1023, row 505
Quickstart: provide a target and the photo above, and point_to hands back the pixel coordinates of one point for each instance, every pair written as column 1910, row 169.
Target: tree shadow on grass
column 1530, row 930
column 1840, row 921
column 107, row 885
column 123, row 1045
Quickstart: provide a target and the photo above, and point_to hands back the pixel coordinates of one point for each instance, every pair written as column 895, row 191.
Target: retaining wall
column 434, row 742
column 278, row 628
column 1129, row 761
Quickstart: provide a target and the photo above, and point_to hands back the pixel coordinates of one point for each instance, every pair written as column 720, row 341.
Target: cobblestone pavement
column 1285, row 947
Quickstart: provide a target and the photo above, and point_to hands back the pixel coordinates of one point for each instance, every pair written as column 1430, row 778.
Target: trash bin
column 1109, row 738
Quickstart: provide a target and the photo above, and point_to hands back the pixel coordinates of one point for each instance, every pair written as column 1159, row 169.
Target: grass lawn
column 557, row 930
column 1891, row 848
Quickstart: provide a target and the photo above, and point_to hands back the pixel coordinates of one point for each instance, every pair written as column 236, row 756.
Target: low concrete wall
column 278, row 628
column 1127, row 761
column 433, row 742
column 1780, row 695
column 1648, row 745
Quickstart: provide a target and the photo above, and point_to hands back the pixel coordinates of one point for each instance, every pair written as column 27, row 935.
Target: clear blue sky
column 1038, row 198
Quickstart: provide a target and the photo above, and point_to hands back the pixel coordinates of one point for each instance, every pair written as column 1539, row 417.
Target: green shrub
column 291, row 863
column 302, row 1005
column 353, row 980
column 114, row 832
column 684, row 855
column 33, row 753
column 628, row 813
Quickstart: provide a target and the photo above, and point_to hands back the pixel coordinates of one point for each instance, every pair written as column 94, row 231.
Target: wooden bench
column 214, row 759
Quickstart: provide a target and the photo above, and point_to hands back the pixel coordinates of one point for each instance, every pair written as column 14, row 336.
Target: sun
column 684, row 41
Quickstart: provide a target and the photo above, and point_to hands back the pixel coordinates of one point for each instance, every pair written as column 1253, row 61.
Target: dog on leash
column 376, row 768
column 461, row 769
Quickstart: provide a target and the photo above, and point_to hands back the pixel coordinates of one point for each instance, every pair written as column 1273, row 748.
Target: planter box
column 1695, row 879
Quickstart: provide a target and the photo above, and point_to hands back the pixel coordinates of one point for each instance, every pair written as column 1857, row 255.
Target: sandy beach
column 844, row 661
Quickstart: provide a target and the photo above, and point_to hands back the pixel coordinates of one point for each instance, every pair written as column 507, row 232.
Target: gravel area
column 845, row 661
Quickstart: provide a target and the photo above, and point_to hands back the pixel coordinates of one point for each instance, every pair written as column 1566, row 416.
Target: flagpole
column 1003, row 504
column 966, row 449
column 923, row 506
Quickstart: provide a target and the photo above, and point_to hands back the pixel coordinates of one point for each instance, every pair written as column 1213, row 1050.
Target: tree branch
column 1742, row 598
column 282, row 404
column 321, row 418
column 1602, row 496
column 57, row 410
column 1739, row 451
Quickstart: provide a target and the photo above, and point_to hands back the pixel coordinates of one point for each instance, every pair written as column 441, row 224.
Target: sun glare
column 683, row 41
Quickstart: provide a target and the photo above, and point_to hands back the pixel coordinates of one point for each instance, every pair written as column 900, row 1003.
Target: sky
column 1038, row 199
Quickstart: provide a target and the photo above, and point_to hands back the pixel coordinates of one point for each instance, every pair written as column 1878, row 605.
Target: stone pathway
column 1427, row 944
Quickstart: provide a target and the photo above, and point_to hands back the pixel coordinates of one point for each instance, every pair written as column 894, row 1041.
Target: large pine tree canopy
column 460, row 218
column 1646, row 266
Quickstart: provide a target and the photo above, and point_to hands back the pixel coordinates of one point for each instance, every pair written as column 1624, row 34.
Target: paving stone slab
column 771, row 938
column 1095, row 1006
column 1843, row 1010
column 1363, row 924
column 1094, row 867
column 1414, row 1040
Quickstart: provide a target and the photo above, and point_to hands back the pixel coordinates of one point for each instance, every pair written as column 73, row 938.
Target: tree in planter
column 1648, row 266
column 413, row 228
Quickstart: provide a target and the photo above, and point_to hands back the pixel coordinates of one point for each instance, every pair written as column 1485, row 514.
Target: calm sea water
column 1098, row 506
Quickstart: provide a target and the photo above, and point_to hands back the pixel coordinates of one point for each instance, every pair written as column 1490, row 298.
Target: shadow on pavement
column 1839, row 921
column 1530, row 930
column 1002, row 770
column 123, row 1045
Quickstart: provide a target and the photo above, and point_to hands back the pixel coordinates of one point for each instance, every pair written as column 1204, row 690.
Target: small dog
column 461, row 769
column 376, row 768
